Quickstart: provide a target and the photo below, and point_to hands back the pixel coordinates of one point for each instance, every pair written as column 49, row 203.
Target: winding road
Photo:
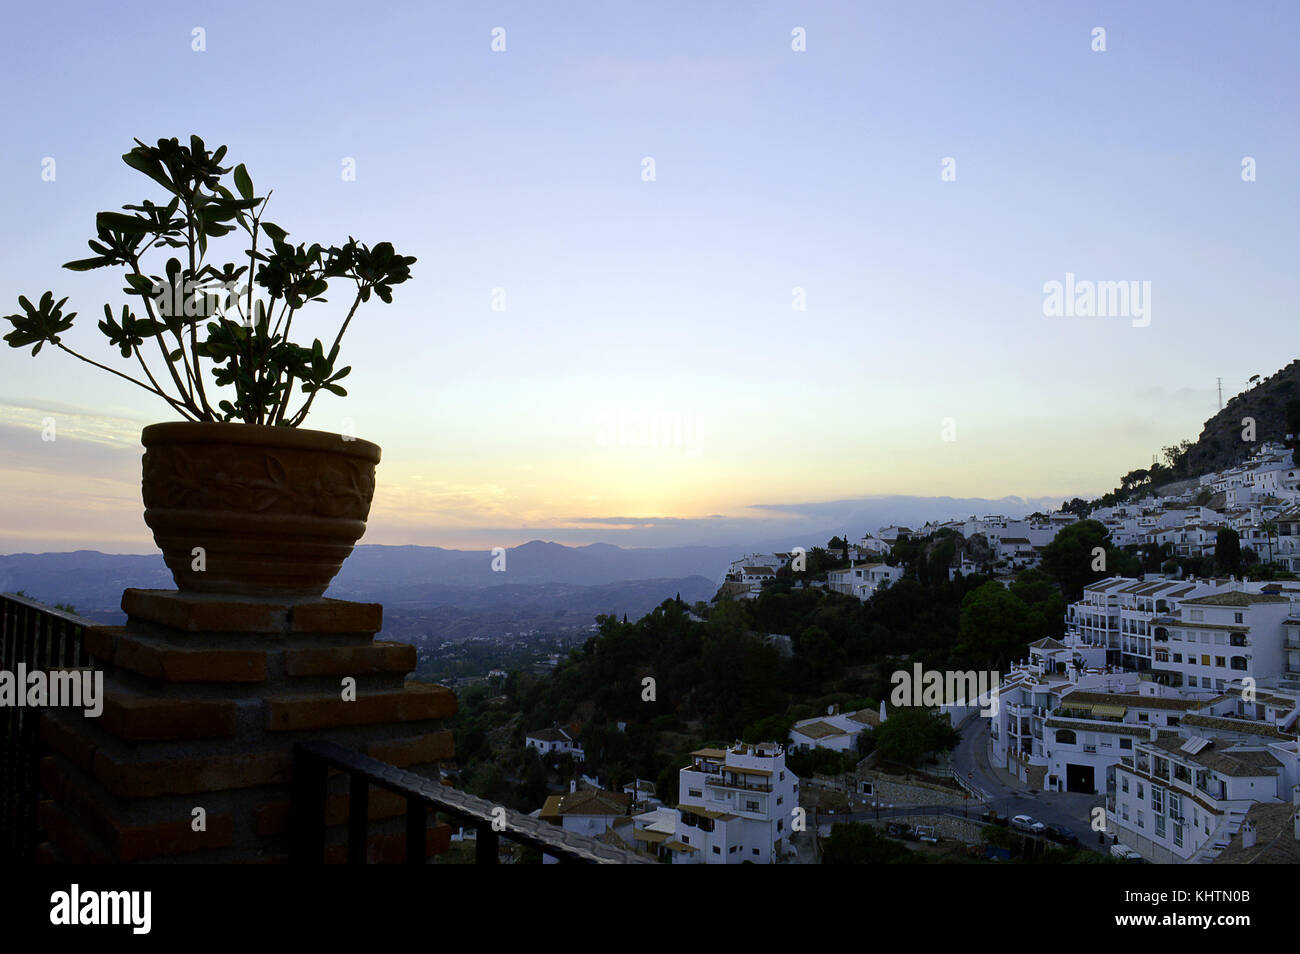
column 1070, row 809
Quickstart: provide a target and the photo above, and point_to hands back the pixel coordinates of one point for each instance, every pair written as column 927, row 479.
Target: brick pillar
column 204, row 697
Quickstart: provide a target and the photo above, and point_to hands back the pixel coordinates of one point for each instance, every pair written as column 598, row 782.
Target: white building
column 1183, row 799
column 862, row 579
column 554, row 741
column 590, row 813
column 735, row 805
column 835, row 731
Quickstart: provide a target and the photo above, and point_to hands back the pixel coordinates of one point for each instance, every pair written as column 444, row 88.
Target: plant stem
column 288, row 382
column 127, row 377
column 162, row 345
column 194, row 326
column 302, row 412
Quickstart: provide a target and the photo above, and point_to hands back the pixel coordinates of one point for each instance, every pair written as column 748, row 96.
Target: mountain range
column 537, row 578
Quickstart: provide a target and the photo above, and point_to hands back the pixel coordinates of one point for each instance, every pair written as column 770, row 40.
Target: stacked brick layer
column 204, row 698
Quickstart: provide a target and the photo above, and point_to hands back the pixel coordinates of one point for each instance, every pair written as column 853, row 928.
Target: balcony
column 34, row 636
column 734, row 783
column 318, row 818
column 314, row 760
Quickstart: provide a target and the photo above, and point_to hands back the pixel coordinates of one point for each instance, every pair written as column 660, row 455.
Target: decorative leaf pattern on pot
column 200, row 477
column 274, row 487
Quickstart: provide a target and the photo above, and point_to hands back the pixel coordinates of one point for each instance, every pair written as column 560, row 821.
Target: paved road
column 1071, row 809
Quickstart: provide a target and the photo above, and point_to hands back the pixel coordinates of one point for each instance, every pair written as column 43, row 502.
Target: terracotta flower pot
column 276, row 510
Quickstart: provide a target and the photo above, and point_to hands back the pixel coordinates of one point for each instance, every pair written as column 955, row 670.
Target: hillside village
column 1259, row 500
column 1169, row 701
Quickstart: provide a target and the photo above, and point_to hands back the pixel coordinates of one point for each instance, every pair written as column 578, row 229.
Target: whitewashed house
column 835, row 731
column 735, row 805
column 862, row 580
column 554, row 741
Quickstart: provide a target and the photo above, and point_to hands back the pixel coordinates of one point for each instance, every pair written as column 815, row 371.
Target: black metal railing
column 313, row 760
column 33, row 636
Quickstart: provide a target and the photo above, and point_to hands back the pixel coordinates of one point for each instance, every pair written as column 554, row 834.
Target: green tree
column 996, row 627
column 1227, row 551
column 912, row 732
column 1270, row 531
column 859, row 844
column 1070, row 557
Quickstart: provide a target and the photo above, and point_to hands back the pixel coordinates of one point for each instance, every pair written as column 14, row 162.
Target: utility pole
column 1220, row 380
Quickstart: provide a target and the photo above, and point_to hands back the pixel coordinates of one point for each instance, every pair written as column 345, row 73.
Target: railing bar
column 417, row 828
column 358, row 816
column 433, row 797
column 487, row 846
column 307, row 819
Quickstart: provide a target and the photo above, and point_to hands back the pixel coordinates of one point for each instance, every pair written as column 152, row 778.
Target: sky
column 652, row 379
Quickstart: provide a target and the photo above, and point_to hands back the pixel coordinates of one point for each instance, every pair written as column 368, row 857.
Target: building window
column 695, row 793
column 752, row 806
column 755, row 851
column 717, row 850
column 1123, row 783
column 1238, row 618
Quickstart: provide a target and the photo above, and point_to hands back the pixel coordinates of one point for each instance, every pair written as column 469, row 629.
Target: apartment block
column 736, row 805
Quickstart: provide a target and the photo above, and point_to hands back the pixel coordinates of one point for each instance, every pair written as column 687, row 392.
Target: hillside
column 1220, row 445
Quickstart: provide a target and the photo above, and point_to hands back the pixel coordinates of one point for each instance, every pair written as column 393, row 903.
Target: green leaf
column 86, row 264
column 140, row 160
column 126, row 224
column 277, row 234
column 242, row 182
column 141, row 284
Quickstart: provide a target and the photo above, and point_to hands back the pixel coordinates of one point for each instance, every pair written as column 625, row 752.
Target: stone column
column 204, row 697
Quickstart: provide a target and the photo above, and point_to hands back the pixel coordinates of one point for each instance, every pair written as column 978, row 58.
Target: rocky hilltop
column 1220, row 445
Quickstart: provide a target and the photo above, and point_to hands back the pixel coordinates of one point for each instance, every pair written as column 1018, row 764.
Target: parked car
column 1028, row 824
column 899, row 830
column 1062, row 834
column 926, row 833
column 1125, row 853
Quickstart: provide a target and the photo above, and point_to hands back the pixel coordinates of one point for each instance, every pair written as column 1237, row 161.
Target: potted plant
column 240, row 498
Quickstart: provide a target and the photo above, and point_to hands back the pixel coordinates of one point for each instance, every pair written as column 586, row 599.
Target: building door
column 1080, row 778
